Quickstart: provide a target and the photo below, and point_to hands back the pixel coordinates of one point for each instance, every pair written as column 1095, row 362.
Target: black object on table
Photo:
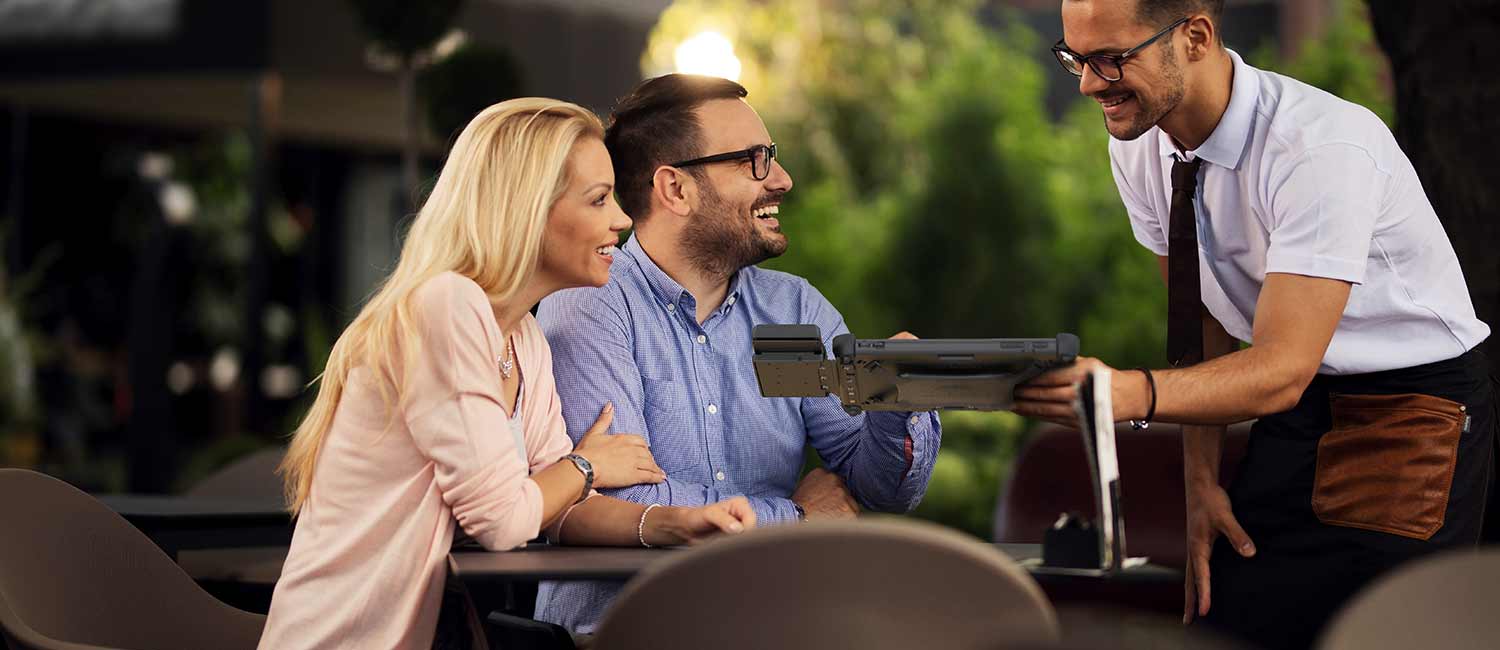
column 178, row 523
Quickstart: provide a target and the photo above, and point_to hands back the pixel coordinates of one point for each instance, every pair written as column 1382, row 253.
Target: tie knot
column 1185, row 175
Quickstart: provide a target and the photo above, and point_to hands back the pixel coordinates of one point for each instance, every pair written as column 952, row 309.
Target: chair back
column 252, row 476
column 1052, row 477
column 864, row 584
column 74, row 572
column 1447, row 601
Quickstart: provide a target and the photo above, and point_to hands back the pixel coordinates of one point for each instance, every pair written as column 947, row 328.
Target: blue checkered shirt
column 690, row 389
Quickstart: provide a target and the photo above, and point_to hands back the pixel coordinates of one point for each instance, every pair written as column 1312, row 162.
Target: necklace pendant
column 506, row 366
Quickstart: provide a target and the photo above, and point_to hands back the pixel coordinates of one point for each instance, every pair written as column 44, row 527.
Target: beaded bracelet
column 640, row 529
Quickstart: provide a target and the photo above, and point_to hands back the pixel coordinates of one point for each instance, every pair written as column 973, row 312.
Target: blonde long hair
column 484, row 220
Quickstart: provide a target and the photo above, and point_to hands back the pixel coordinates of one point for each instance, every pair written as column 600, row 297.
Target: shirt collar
column 667, row 290
column 1226, row 145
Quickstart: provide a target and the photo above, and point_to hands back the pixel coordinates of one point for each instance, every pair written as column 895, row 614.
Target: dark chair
column 252, row 476
column 74, row 575
column 872, row 584
column 1052, row 476
column 244, row 577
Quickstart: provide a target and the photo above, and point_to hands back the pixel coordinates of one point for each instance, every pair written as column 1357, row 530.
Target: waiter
column 1288, row 219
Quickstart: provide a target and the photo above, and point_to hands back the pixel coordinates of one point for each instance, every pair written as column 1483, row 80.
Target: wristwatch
column 587, row 469
column 801, row 514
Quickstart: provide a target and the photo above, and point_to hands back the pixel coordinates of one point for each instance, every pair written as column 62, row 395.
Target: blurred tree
column 1447, row 125
column 466, row 82
column 20, row 411
column 407, row 30
column 1343, row 60
column 935, row 193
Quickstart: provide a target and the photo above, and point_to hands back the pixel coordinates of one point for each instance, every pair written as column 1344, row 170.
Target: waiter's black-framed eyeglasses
column 1109, row 67
column 760, row 157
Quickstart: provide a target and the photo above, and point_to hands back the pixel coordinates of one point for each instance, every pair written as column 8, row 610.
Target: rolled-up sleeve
column 885, row 457
column 451, row 402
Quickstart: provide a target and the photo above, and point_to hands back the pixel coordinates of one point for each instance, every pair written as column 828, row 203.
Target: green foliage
column 1345, row 60
column 934, row 191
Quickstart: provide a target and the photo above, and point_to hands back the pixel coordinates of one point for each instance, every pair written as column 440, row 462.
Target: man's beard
column 719, row 241
column 1150, row 115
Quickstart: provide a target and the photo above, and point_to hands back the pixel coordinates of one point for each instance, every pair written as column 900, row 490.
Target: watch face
column 585, row 463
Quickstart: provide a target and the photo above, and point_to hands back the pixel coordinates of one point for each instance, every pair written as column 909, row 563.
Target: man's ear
column 1202, row 37
column 673, row 190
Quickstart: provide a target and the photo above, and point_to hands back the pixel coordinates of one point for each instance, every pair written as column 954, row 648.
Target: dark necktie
column 1184, row 303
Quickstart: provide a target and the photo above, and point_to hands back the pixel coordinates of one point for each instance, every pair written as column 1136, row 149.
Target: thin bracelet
column 1141, row 425
column 640, row 529
column 567, row 512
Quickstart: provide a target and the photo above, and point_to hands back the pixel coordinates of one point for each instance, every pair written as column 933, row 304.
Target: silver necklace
column 507, row 362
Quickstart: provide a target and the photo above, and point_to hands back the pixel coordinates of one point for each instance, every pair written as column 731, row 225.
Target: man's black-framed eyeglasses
column 1109, row 67
column 760, row 157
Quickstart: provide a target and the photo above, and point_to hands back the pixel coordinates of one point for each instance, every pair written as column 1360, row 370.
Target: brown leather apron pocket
column 1387, row 464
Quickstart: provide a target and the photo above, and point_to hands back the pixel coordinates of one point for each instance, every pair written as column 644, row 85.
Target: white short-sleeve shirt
column 1299, row 181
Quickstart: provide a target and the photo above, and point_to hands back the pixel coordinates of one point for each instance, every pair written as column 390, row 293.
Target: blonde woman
column 437, row 408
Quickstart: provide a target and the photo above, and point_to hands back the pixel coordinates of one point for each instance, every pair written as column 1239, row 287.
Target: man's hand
column 1208, row 516
column 903, row 336
column 823, row 495
column 1050, row 396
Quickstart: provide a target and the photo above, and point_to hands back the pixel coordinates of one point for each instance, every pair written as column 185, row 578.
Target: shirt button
column 731, row 300
column 713, row 408
column 702, row 339
column 671, row 307
column 915, row 420
column 719, row 476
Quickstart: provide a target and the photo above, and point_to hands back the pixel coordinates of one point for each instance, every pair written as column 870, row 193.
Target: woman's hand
column 619, row 460
column 671, row 526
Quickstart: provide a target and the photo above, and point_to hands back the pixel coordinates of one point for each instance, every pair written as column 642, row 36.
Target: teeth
column 766, row 211
column 1116, row 101
column 605, row 250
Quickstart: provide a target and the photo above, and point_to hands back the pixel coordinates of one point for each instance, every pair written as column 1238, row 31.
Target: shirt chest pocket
column 676, row 434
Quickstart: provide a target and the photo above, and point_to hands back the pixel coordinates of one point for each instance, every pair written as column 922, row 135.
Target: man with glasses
column 668, row 339
column 1289, row 219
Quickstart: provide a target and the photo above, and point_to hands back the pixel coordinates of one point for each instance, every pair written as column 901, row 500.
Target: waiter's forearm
column 1238, row 386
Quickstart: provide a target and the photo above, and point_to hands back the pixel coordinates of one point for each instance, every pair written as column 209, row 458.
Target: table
column 543, row 562
column 178, row 523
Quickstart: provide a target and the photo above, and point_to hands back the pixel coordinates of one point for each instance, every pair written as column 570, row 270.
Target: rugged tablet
column 902, row 375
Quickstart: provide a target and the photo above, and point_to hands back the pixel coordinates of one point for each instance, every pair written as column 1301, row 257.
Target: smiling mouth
column 767, row 215
column 608, row 252
column 1114, row 101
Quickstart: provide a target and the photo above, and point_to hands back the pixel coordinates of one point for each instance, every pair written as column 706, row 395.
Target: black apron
column 1365, row 472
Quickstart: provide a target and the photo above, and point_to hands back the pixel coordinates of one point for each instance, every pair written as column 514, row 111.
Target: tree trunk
column 1447, row 91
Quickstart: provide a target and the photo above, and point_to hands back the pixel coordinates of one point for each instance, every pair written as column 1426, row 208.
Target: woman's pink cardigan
column 368, row 558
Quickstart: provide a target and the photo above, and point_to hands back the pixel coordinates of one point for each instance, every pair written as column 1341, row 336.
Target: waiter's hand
column 1050, row 396
column 1208, row 516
